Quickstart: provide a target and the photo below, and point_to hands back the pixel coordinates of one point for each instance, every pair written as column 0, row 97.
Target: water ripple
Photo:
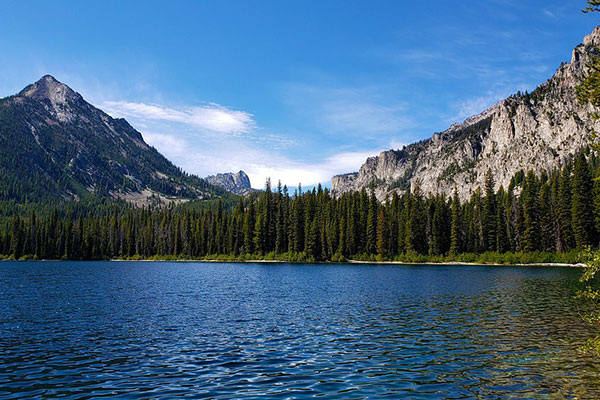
column 222, row 331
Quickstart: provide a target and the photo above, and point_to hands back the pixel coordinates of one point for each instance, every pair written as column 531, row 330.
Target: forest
column 543, row 217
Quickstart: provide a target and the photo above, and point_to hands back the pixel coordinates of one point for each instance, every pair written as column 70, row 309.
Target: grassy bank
column 519, row 258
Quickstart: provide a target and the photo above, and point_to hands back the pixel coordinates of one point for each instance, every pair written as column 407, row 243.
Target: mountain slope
column 538, row 131
column 55, row 145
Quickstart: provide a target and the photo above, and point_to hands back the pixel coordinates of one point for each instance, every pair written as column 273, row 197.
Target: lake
column 79, row 330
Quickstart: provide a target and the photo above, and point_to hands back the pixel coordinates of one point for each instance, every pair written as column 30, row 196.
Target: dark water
column 175, row 330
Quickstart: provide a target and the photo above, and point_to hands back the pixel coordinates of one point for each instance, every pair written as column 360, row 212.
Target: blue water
column 173, row 330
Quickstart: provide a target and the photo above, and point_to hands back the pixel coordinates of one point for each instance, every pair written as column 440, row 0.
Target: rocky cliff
column 538, row 131
column 237, row 183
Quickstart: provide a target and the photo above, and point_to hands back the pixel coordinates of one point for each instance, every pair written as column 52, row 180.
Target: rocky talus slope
column 538, row 131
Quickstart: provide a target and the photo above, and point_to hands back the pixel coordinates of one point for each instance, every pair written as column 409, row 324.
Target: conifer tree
column 566, row 240
column 502, row 243
column 371, row 231
column 546, row 217
column 489, row 216
column 382, row 235
column 312, row 242
column 455, row 230
column 581, row 203
column 531, row 206
column 249, row 223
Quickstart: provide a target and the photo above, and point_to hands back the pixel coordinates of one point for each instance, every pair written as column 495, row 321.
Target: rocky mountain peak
column 535, row 131
column 593, row 39
column 237, row 183
column 61, row 147
column 48, row 88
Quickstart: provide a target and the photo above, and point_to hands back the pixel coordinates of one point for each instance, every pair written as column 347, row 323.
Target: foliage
column 591, row 296
column 588, row 92
column 593, row 5
column 313, row 225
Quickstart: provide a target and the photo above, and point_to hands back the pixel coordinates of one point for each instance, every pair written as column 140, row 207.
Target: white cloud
column 308, row 174
column 213, row 117
column 169, row 144
column 356, row 111
column 184, row 136
column 259, row 163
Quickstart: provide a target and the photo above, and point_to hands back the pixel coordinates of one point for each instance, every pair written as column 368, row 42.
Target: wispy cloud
column 466, row 108
column 168, row 144
column 212, row 117
column 549, row 14
column 474, row 106
column 348, row 110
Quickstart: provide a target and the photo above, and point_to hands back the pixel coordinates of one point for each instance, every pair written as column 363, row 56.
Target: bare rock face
column 537, row 131
column 237, row 183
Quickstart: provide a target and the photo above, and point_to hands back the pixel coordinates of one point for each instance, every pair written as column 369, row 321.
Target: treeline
column 552, row 213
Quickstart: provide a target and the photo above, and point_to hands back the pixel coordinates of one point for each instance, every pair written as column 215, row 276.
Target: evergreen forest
column 543, row 217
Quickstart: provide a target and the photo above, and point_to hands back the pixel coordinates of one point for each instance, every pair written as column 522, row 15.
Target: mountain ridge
column 54, row 145
column 539, row 131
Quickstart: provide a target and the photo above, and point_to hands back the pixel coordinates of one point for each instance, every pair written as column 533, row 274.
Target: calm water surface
column 174, row 330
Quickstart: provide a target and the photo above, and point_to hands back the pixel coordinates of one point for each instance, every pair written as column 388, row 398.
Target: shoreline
column 262, row 261
column 458, row 263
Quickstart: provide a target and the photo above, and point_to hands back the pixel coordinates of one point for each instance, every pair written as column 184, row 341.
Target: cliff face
column 538, row 131
column 237, row 183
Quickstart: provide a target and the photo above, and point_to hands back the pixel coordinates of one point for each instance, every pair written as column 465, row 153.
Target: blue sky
column 292, row 90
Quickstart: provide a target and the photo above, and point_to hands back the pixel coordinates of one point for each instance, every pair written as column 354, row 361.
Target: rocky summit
column 237, row 183
column 533, row 131
column 54, row 145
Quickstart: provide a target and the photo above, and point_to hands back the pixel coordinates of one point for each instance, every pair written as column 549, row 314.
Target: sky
column 291, row 90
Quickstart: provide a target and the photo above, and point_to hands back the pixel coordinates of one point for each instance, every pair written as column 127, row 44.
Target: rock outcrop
column 236, row 183
column 537, row 131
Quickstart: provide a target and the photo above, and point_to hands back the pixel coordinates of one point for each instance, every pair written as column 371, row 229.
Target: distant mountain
column 537, row 131
column 237, row 183
column 55, row 145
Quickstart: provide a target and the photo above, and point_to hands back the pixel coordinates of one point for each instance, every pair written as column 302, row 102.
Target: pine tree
column 581, row 203
column 455, row 230
column 249, row 224
column 280, row 223
column 415, row 234
column 502, row 242
column 489, row 215
column 531, row 219
column 438, row 226
column 546, row 217
column 312, row 241
column 17, row 239
column 566, row 239
column 371, row 230
column 382, row 236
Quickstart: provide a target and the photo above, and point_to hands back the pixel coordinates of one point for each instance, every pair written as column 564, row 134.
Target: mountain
column 237, row 183
column 537, row 131
column 54, row 145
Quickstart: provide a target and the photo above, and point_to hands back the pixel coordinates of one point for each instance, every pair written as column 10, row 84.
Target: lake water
column 80, row 330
